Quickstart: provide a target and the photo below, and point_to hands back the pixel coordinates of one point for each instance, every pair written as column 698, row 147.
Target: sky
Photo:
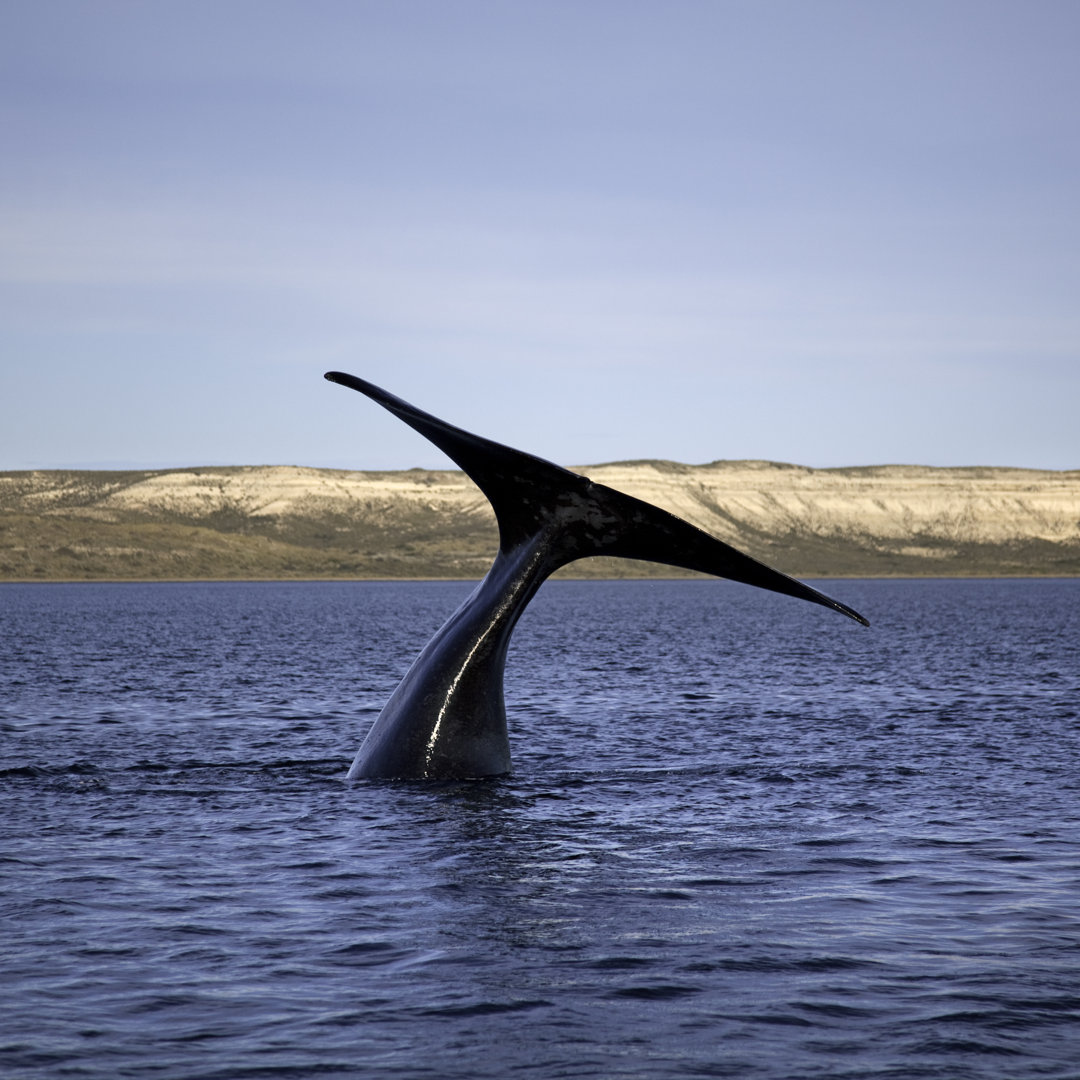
column 823, row 232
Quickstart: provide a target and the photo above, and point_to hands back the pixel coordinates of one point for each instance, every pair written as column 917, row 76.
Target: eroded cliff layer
column 283, row 522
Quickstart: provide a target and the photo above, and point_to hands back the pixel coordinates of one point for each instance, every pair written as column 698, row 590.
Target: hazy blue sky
column 830, row 233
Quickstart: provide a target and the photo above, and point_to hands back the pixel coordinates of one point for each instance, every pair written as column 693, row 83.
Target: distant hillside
column 286, row 522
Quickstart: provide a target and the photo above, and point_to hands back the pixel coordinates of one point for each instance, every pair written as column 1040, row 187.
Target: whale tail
column 565, row 517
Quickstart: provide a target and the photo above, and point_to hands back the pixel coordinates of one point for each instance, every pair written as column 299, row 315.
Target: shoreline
column 1026, row 576
column 276, row 523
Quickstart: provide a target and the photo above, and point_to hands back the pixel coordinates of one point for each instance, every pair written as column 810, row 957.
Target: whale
column 447, row 718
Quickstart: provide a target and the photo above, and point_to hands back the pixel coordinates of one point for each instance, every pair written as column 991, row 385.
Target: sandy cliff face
column 887, row 504
column 297, row 521
column 288, row 491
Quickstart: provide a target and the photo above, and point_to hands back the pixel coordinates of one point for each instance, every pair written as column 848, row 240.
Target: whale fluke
column 447, row 719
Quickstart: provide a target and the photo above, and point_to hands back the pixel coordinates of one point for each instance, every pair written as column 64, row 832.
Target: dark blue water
column 745, row 837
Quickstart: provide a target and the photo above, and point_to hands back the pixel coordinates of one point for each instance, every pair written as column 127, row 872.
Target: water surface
column 745, row 837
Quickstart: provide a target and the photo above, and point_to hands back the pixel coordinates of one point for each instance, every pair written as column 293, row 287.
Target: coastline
column 286, row 523
column 558, row 576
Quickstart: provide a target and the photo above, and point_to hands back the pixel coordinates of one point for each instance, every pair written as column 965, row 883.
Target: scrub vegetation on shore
column 281, row 522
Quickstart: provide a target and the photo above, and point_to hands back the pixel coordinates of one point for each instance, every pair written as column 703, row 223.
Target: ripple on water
column 725, row 852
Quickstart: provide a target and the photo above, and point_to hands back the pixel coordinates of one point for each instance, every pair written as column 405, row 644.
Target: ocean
column 744, row 837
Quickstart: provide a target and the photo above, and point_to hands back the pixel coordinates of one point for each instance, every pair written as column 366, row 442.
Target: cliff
column 286, row 522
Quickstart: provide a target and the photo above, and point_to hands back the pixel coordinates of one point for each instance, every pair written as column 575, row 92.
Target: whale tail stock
column 566, row 517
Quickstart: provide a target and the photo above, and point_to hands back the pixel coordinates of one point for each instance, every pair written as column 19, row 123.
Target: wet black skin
column 447, row 718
